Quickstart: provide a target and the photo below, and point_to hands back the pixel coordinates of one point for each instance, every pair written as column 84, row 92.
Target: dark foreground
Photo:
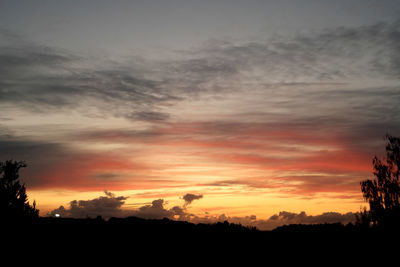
column 135, row 237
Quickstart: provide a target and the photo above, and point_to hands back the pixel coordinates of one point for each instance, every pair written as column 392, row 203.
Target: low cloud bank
column 110, row 206
column 106, row 206
column 286, row 218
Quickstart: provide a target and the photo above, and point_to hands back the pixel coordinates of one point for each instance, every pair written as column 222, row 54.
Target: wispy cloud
column 304, row 113
column 40, row 78
column 335, row 54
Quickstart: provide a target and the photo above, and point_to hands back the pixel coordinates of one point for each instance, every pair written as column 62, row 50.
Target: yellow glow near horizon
column 215, row 201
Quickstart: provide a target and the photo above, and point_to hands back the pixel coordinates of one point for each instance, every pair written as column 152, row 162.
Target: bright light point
column 57, row 215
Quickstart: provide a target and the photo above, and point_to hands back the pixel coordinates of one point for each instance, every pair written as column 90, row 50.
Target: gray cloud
column 110, row 206
column 283, row 218
column 40, row 78
column 307, row 79
column 40, row 156
column 105, row 206
column 155, row 211
column 334, row 54
column 54, row 164
column 189, row 198
column 151, row 116
column 117, row 135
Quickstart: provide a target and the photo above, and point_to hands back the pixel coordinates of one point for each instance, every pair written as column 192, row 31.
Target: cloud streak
column 331, row 55
column 45, row 78
column 40, row 78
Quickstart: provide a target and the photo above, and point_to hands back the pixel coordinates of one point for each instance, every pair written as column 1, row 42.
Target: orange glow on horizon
column 254, row 175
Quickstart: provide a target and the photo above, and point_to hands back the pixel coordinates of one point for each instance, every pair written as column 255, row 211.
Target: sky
column 257, row 112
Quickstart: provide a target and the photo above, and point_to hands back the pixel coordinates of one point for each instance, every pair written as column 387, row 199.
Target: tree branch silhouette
column 383, row 193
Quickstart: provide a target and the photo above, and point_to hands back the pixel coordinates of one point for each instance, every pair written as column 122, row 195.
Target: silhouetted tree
column 383, row 193
column 363, row 218
column 14, row 203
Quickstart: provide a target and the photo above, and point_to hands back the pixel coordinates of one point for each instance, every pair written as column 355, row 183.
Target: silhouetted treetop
column 14, row 203
column 383, row 193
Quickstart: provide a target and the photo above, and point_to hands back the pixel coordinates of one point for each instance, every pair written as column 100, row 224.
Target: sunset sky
column 259, row 112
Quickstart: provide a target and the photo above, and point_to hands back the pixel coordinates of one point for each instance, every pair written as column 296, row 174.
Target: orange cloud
column 294, row 158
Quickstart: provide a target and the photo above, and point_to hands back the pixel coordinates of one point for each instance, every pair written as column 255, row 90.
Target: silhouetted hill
column 140, row 226
column 133, row 235
column 136, row 224
column 134, row 228
column 313, row 228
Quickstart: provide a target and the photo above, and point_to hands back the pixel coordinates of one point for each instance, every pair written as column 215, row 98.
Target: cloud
column 286, row 218
column 38, row 78
column 301, row 157
column 308, row 108
column 331, row 55
column 189, row 198
column 111, row 206
column 310, row 79
column 40, row 156
column 56, row 165
column 282, row 218
column 151, row 116
column 105, row 206
column 155, row 211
